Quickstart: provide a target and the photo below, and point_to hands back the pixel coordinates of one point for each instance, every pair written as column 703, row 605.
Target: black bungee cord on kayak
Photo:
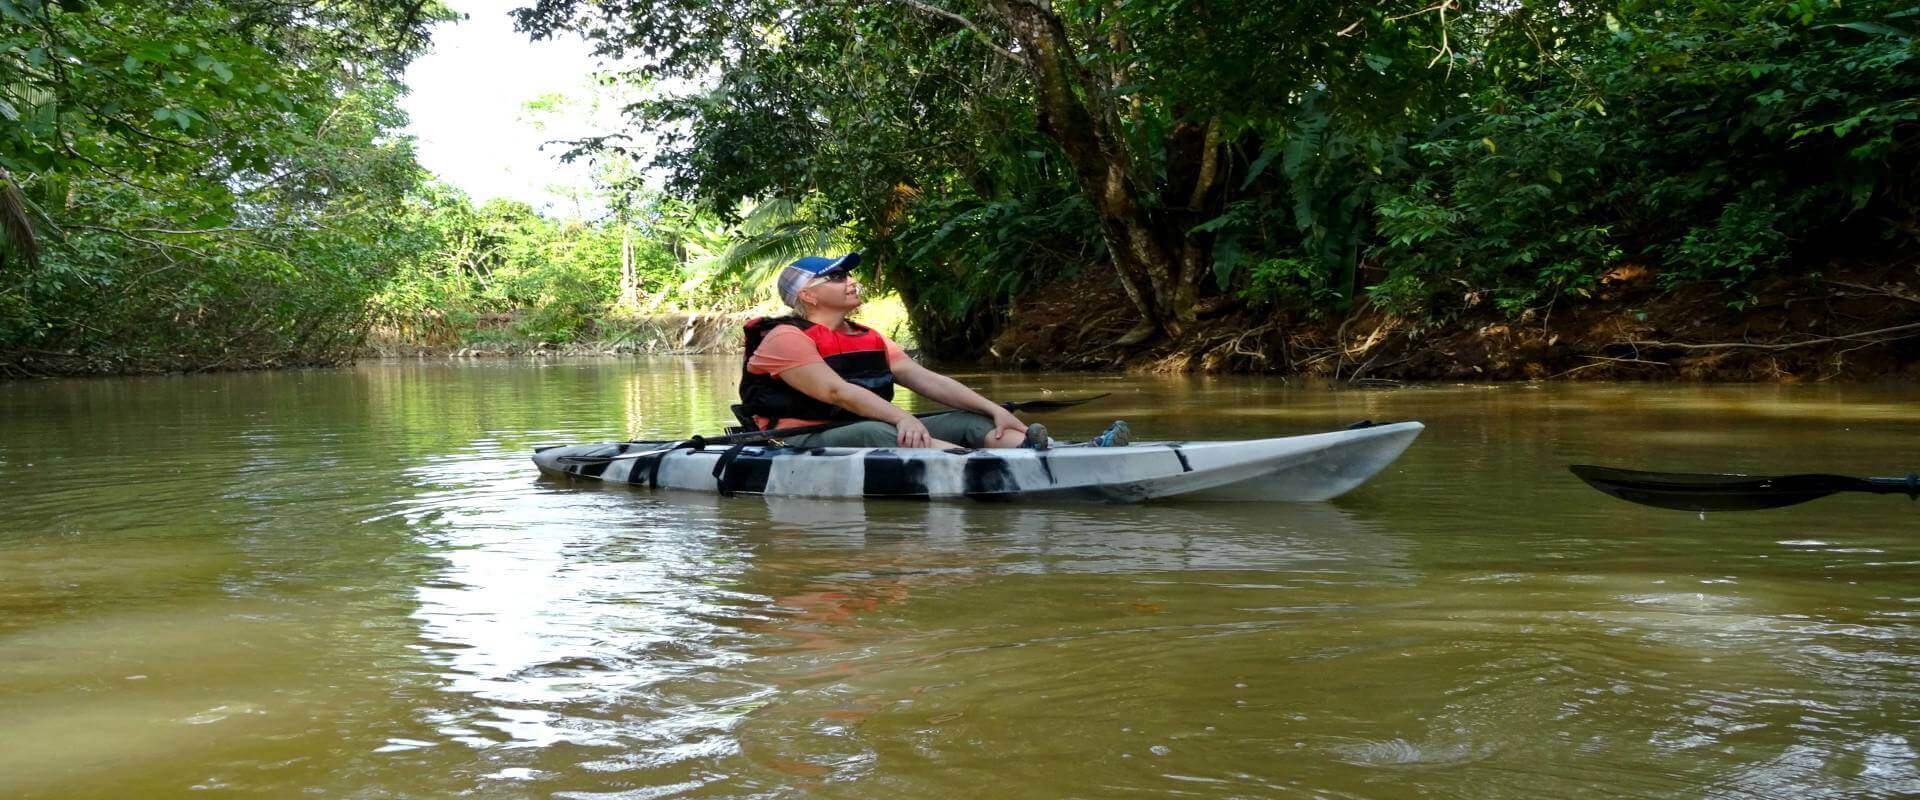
column 653, row 469
column 723, row 474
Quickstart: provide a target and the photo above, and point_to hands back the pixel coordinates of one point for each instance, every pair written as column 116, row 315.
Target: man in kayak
column 818, row 366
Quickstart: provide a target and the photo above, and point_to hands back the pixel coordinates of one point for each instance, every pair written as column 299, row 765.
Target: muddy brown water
column 353, row 584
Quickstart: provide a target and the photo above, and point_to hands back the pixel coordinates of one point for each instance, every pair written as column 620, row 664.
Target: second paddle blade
column 1051, row 405
column 1686, row 491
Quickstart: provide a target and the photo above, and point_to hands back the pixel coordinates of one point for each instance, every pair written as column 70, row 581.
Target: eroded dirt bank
column 1855, row 323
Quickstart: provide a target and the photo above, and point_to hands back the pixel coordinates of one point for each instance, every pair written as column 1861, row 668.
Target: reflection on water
column 352, row 583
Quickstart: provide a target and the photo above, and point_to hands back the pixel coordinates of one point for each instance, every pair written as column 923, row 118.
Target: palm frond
column 754, row 257
column 759, row 216
column 748, row 254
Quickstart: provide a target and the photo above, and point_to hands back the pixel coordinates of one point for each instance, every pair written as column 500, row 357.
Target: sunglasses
column 837, row 276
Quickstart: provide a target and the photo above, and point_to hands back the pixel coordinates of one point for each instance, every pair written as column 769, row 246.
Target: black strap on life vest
column 770, row 397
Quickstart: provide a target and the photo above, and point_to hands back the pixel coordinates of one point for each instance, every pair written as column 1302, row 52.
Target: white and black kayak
column 1299, row 468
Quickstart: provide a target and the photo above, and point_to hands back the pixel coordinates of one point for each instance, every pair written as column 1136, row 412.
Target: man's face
column 834, row 291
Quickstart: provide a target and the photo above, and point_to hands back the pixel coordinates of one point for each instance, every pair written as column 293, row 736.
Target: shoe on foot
column 1036, row 437
column 1119, row 434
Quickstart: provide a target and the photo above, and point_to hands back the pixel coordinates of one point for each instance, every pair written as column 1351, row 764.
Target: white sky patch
column 468, row 101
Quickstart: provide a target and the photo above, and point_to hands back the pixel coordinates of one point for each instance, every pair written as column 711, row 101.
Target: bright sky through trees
column 468, row 106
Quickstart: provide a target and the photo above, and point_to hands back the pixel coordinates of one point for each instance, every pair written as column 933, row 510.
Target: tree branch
column 1849, row 337
column 1882, row 291
column 977, row 30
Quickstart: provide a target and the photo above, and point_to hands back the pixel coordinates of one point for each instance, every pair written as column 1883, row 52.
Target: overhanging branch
column 977, row 30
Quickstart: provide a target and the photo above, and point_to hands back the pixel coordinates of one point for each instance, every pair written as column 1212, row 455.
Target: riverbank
column 496, row 337
column 1856, row 323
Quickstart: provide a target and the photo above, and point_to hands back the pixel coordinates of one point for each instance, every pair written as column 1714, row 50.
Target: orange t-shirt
column 786, row 347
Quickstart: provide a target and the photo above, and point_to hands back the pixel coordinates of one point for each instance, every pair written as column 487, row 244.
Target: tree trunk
column 1148, row 258
column 1196, row 250
column 16, row 231
column 629, row 282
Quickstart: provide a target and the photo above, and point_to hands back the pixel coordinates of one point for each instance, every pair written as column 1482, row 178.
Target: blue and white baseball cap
column 794, row 276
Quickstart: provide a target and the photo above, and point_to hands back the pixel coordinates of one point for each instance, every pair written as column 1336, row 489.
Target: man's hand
column 1004, row 422
column 913, row 433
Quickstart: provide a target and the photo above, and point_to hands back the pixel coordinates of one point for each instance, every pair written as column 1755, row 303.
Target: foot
column 1036, row 437
column 1119, row 434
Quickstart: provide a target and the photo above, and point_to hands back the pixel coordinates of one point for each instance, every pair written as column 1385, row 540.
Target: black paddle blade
column 1051, row 405
column 1686, row 491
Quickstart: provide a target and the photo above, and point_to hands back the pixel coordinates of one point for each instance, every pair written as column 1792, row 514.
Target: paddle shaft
column 1909, row 486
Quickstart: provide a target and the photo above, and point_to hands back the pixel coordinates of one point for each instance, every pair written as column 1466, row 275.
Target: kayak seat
column 746, row 420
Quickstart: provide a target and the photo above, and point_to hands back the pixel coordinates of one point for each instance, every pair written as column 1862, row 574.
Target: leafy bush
column 961, row 258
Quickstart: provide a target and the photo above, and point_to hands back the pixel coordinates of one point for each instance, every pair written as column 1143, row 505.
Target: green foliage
column 503, row 271
column 1498, row 154
column 962, row 253
column 222, row 182
column 1290, row 282
column 212, row 184
column 1744, row 242
column 1715, row 141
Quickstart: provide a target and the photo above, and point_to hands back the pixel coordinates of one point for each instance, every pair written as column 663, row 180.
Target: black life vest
column 859, row 358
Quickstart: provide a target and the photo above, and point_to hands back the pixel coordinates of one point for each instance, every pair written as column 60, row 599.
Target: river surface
column 352, row 583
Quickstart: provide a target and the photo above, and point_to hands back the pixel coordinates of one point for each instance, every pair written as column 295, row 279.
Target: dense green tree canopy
column 223, row 182
column 1301, row 153
column 209, row 182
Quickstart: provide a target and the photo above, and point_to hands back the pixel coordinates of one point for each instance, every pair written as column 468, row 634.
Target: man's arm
column 820, row 382
column 940, row 388
column 943, row 389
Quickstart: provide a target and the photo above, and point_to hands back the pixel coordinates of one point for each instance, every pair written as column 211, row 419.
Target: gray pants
column 963, row 428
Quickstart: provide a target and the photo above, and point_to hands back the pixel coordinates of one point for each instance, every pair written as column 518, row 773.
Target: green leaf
column 1259, row 165
column 223, row 72
column 1378, row 62
column 1213, row 224
column 1227, row 257
column 131, row 64
column 1874, row 28
column 1861, row 191
column 162, row 114
column 12, row 12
